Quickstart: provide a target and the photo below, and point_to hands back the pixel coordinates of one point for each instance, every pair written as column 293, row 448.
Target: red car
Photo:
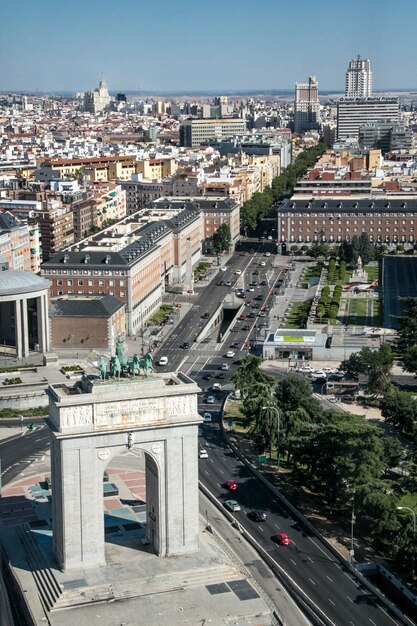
column 282, row 539
column 231, row 485
column 241, row 318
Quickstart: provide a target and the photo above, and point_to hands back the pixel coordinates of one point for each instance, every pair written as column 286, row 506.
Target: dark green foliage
column 222, row 239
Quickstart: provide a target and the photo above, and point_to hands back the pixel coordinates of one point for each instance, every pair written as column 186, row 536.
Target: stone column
column 40, row 324
column 25, row 327
column 45, row 316
column 18, row 328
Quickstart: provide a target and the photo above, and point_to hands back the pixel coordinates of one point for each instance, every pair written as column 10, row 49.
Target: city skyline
column 172, row 48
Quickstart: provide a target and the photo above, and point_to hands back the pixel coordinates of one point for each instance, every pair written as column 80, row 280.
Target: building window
column 80, row 283
column 69, row 283
column 122, row 294
column 101, row 283
column 59, row 283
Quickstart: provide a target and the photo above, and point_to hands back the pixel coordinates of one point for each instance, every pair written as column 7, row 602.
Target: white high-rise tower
column 358, row 79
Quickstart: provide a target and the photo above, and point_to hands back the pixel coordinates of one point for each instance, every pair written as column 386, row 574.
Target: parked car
column 306, row 369
column 232, row 505
column 185, row 345
column 221, row 376
column 210, row 400
column 205, row 316
column 231, row 485
column 230, row 354
column 238, row 272
column 282, row 539
column 318, row 374
column 225, row 366
column 206, row 416
column 329, row 370
column 262, row 263
column 216, row 387
column 207, row 376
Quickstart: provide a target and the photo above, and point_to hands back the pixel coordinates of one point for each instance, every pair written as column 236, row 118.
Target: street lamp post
column 413, row 513
column 278, row 412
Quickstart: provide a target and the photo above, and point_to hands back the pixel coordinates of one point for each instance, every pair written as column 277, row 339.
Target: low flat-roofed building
column 82, row 323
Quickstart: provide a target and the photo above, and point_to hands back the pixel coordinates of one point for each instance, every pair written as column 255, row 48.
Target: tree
column 249, row 376
column 409, row 358
column 315, row 250
column 407, row 333
column 222, row 238
column 325, row 250
column 266, row 424
column 366, row 249
column 376, row 364
column 320, row 310
column 293, row 393
column 400, row 410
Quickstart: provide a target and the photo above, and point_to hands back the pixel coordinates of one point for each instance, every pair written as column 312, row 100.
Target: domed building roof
column 14, row 282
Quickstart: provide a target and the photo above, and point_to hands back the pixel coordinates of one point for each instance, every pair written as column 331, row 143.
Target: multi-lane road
column 310, row 565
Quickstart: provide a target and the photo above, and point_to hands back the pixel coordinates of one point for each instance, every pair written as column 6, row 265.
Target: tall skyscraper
column 97, row 100
column 358, row 79
column 306, row 106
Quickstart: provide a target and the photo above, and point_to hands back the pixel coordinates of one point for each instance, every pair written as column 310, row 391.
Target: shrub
column 12, row 381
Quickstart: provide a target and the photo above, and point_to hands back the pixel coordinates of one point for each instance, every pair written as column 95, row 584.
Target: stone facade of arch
column 156, row 417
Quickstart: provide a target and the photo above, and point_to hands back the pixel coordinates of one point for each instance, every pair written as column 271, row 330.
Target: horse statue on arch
column 102, row 366
column 141, row 363
column 115, row 367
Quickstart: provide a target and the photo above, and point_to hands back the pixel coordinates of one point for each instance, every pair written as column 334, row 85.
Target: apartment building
column 358, row 82
column 193, row 132
column 15, row 244
column 55, row 169
column 335, row 220
column 132, row 260
column 104, row 203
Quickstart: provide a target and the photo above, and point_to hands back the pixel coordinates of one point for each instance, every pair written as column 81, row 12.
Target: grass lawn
column 159, row 315
column 232, row 411
column 313, row 271
column 358, row 312
column 372, row 270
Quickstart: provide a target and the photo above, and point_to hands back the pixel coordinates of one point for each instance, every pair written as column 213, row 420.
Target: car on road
column 306, row 369
column 185, row 345
column 203, row 454
column 267, row 254
column 263, row 282
column 236, row 344
column 221, row 376
column 205, row 316
column 210, row 400
column 250, row 288
column 216, row 386
column 228, row 283
column 231, row 485
column 282, row 539
column 163, row 360
column 207, row 376
column 232, row 505
column 262, row 314
column 221, row 283
column 225, row 366
column 238, row 272
column 245, row 327
column 230, row 354
column 318, row 374
column 241, row 318
column 206, row 416
column 255, row 272
column 270, row 237
column 259, row 297
column 252, row 314
column 329, row 370
column 257, row 515
column 262, row 263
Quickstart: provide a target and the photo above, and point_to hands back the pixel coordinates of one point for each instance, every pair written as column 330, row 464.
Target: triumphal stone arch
column 96, row 420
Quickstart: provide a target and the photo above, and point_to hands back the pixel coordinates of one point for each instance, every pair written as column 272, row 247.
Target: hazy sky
column 204, row 45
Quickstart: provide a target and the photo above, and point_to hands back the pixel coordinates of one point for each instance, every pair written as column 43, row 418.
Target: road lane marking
column 330, row 600
column 349, row 598
column 312, row 581
column 260, row 528
column 276, row 525
column 310, row 559
column 220, row 470
column 329, row 578
column 293, row 561
column 372, row 622
column 206, row 472
column 218, row 484
column 384, row 611
column 317, row 546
